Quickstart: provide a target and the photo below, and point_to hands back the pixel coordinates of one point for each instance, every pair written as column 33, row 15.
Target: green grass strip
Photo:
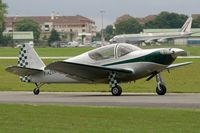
column 64, row 119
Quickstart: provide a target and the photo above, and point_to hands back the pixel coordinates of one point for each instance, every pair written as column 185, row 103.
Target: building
column 69, row 27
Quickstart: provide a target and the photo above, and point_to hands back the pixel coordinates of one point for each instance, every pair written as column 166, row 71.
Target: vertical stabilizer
column 29, row 58
column 187, row 26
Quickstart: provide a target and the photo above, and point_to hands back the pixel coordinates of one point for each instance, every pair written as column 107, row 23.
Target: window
column 46, row 27
column 103, row 53
column 124, row 49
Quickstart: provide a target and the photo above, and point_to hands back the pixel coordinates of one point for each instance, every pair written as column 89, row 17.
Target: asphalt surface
column 171, row 100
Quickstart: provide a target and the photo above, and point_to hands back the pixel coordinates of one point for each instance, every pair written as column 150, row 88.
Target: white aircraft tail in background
column 186, row 28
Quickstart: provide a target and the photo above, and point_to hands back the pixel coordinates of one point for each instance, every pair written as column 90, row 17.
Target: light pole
column 102, row 34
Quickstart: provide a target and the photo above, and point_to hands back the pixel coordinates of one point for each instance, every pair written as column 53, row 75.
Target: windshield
column 103, row 53
column 124, row 49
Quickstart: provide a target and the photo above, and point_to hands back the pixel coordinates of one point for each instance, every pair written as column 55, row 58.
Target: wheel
column 36, row 91
column 116, row 91
column 161, row 89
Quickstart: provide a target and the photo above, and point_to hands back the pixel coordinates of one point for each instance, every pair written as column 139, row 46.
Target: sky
column 92, row 8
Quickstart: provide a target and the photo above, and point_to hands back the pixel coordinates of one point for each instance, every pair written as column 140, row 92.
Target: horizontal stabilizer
column 22, row 71
column 89, row 72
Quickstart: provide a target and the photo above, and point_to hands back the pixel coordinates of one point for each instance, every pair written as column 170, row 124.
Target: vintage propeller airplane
column 113, row 64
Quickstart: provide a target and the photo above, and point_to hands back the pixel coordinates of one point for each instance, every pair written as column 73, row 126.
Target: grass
column 184, row 79
column 13, row 52
column 193, row 51
column 62, row 119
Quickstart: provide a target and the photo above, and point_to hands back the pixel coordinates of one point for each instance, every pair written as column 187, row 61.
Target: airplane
column 150, row 38
column 111, row 64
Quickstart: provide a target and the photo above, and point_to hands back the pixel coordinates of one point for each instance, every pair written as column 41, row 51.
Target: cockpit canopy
column 112, row 51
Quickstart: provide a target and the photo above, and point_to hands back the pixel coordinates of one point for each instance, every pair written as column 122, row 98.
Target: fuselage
column 148, row 37
column 142, row 62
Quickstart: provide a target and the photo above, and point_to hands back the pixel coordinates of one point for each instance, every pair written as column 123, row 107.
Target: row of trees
column 162, row 20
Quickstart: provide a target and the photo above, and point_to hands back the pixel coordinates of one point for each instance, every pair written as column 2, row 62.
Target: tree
column 28, row 25
column 3, row 11
column 150, row 25
column 196, row 23
column 54, row 36
column 128, row 27
column 167, row 20
column 109, row 32
column 97, row 37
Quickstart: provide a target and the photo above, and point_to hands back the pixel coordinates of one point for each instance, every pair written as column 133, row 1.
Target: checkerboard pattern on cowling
column 112, row 80
column 23, row 62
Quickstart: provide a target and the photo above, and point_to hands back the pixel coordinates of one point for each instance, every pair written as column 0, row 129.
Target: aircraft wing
column 178, row 65
column 151, row 40
column 172, row 66
column 22, row 71
column 84, row 71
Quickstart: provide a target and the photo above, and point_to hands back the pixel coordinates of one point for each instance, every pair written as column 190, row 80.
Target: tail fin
column 187, row 26
column 29, row 63
column 28, row 58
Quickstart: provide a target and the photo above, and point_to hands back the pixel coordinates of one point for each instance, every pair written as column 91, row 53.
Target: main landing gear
column 161, row 88
column 36, row 90
column 116, row 90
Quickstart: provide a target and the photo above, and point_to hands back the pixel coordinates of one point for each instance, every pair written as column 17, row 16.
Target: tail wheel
column 161, row 89
column 36, row 91
column 116, row 91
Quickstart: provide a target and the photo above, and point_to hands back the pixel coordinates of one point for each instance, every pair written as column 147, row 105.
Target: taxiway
column 171, row 100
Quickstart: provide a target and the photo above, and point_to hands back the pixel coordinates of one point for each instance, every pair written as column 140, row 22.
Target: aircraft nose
column 177, row 52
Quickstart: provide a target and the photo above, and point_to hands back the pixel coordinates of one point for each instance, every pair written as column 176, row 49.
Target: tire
column 36, row 91
column 162, row 90
column 116, row 91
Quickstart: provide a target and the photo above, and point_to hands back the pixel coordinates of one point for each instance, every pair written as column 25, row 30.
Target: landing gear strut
column 161, row 88
column 36, row 90
column 115, row 88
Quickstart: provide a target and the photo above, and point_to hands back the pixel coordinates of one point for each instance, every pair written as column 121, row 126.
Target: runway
column 170, row 100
